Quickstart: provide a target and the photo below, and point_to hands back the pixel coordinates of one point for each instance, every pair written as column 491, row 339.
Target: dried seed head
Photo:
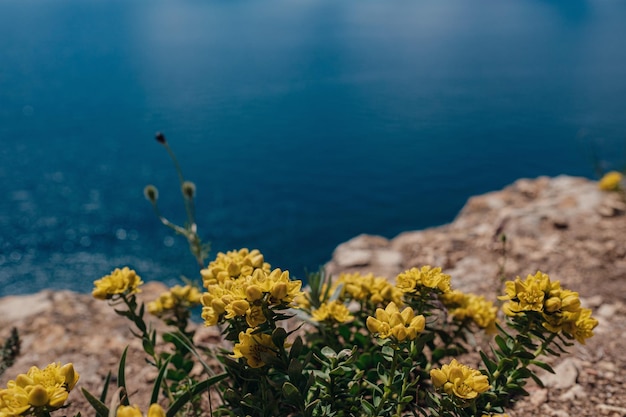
column 189, row 189
column 160, row 137
column 151, row 193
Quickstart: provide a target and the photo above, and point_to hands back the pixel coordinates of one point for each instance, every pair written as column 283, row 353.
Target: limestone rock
column 554, row 225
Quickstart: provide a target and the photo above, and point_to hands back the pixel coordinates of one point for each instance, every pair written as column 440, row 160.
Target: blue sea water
column 302, row 122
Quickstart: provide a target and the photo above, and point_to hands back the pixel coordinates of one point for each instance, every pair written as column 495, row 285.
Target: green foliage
column 356, row 346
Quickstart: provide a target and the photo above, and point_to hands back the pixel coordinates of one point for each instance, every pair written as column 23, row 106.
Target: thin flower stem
column 544, row 345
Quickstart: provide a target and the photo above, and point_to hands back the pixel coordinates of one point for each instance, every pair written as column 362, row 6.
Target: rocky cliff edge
column 563, row 226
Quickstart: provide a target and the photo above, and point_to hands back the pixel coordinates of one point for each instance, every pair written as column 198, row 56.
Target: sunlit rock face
column 565, row 226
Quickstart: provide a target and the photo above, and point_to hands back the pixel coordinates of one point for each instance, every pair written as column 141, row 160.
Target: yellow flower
column 254, row 348
column 240, row 297
column 390, row 322
column 470, row 306
column 255, row 316
column 459, row 380
column 334, row 311
column 232, row 265
column 581, row 328
column 38, row 388
column 413, row 280
column 13, row 401
column 120, row 281
column 155, row 410
column 366, row 287
column 128, row 411
column 177, row 298
column 559, row 308
column 528, row 295
column 611, row 181
column 302, row 302
column 237, row 308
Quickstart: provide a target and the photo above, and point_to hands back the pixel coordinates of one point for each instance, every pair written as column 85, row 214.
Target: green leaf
column 387, row 352
column 308, row 411
column 438, row 354
column 368, row 407
column 543, row 365
column 169, row 337
column 121, row 376
column 296, row 348
column 502, row 344
column 507, row 363
column 105, row 389
column 157, row 383
column 278, row 336
column 491, row 365
column 196, row 389
column 329, row 352
column 101, row 409
column 291, row 393
column 294, row 370
column 537, row 380
column 148, row 347
column 525, row 355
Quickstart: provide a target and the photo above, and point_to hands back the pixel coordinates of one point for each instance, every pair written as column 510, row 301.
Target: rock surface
column 563, row 226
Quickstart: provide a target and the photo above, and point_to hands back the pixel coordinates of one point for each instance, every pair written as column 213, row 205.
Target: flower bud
column 233, row 269
column 570, row 301
column 254, row 293
column 279, row 291
column 438, row 377
column 238, row 307
column 38, row 396
column 23, row 381
column 70, row 375
column 189, row 189
column 151, row 193
column 128, row 411
column 156, row 410
column 552, row 304
column 160, row 137
column 218, row 305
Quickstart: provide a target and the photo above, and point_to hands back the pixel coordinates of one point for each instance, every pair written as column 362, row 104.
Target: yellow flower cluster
column 413, row 280
column 244, row 296
column 38, row 390
column 459, row 380
column 120, row 281
column 560, row 308
column 155, row 410
column 611, row 181
column 334, row 311
column 463, row 306
column 232, row 265
column 367, row 287
column 254, row 347
column 390, row 322
column 177, row 297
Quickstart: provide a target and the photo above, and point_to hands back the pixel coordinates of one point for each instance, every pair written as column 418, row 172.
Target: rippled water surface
column 303, row 123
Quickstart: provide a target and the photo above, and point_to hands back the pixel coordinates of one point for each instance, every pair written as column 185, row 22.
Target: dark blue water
column 302, row 122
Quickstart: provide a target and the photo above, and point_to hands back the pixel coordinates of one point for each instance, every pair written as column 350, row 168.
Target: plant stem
column 388, row 387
